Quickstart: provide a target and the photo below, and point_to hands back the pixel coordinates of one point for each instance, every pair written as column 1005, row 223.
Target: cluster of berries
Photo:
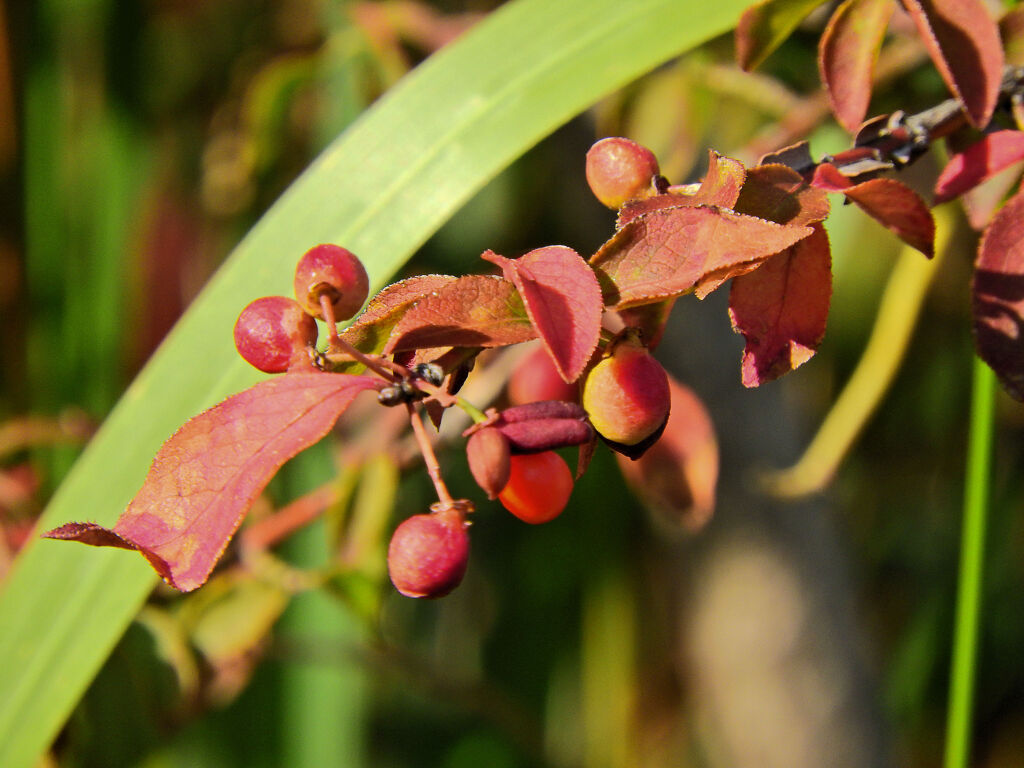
column 624, row 397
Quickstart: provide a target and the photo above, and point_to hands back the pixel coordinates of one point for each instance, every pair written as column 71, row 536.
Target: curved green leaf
column 381, row 189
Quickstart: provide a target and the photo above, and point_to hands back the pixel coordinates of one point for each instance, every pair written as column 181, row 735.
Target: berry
column 627, row 395
column 274, row 334
column 488, row 453
column 332, row 271
column 536, row 378
column 619, row 170
column 428, row 553
column 538, row 488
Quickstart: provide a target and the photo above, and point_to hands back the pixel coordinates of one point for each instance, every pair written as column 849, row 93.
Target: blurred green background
column 141, row 139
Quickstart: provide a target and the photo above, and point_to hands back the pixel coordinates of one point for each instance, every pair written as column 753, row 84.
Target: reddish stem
column 337, row 343
column 429, row 458
column 283, row 523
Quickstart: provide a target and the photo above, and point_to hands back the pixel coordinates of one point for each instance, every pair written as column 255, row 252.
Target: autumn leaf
column 370, row 331
column 563, row 300
column 764, row 27
column 963, row 42
column 781, row 309
column 980, row 161
column 471, row 311
column 207, row 475
column 778, row 193
column 998, row 296
column 891, row 203
column 847, row 53
column 676, row 477
column 670, row 252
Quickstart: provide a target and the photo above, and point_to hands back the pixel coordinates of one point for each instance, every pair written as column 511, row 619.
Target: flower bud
column 544, row 425
column 488, row 453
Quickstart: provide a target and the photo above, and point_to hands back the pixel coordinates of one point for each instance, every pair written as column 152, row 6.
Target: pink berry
column 335, row 272
column 619, row 170
column 488, row 453
column 274, row 333
column 536, row 378
column 428, row 553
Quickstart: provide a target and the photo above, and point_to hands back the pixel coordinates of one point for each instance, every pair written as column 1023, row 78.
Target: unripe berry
column 274, row 333
column 488, row 453
column 428, row 553
column 332, row 271
column 536, row 378
column 538, row 488
column 627, row 395
column 619, row 170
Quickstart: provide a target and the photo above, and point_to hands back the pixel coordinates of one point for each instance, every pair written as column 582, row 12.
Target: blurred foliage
column 140, row 140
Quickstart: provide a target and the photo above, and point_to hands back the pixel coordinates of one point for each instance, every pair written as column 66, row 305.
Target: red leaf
column 676, row 477
column 830, row 179
column 207, row 475
column 778, row 193
column 998, row 296
column 670, row 252
column 963, row 42
column 781, row 309
column 847, row 53
column 981, row 160
column 898, row 208
column 563, row 300
column 471, row 311
column 721, row 186
column 369, row 333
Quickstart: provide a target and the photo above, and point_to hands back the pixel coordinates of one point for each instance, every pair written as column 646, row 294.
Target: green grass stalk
column 972, row 560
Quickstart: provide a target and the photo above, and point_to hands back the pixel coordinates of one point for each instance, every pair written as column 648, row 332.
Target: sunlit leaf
column 780, row 194
column 563, row 300
column 988, row 156
column 369, row 333
column 891, row 203
column 207, row 475
column 847, row 53
column 670, row 252
column 781, row 308
column 963, row 41
column 998, row 296
column 471, row 311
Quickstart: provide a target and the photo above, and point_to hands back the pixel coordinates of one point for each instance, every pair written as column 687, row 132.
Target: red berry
column 332, row 271
column 538, row 488
column 619, row 170
column 627, row 395
column 274, row 334
column 488, row 452
column 428, row 553
column 536, row 378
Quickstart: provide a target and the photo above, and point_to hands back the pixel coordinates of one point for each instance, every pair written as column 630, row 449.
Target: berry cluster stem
column 429, row 457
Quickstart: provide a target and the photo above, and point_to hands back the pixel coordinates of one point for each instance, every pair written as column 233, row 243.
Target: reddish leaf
column 677, row 475
column 205, row 477
column 563, row 300
column 780, row 194
column 898, row 208
column 981, row 203
column 847, row 53
column 963, row 42
column 781, row 309
column 981, row 160
column 471, row 311
column 830, row 179
column 670, row 252
column 369, row 333
column 998, row 296
column 765, row 26
column 721, row 186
